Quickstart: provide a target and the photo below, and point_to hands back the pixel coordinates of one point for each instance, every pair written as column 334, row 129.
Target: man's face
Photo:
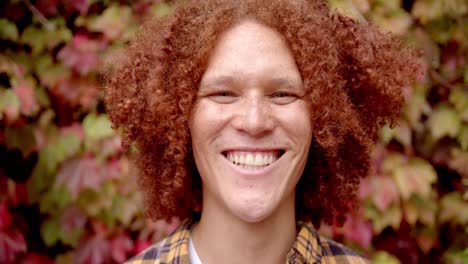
column 250, row 127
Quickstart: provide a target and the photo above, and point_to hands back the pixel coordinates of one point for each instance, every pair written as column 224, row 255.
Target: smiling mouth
column 253, row 160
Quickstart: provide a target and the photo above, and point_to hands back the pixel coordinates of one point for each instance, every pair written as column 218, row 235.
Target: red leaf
column 5, row 217
column 35, row 258
column 425, row 242
column 358, row 230
column 81, row 54
column 18, row 194
column 77, row 92
column 11, row 243
column 81, row 6
column 161, row 228
column 385, row 192
column 113, row 170
column 120, row 247
column 93, row 250
column 365, row 188
column 47, row 7
column 27, row 99
column 111, row 146
column 75, row 128
column 140, row 245
column 72, row 218
column 79, row 174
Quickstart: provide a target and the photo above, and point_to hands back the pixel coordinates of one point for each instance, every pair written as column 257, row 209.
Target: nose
column 254, row 117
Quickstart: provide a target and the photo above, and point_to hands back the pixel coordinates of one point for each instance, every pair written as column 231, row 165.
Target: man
column 253, row 121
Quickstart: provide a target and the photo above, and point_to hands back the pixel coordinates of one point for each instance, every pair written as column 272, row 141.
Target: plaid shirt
column 309, row 247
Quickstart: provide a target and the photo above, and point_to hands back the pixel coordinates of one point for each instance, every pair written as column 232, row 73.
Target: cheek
column 296, row 120
column 211, row 113
column 206, row 123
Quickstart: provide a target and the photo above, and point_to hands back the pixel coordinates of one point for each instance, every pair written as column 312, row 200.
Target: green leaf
column 55, row 200
column 463, row 137
column 457, row 257
column 382, row 257
column 380, row 220
column 441, row 30
column 8, row 30
column 401, row 133
column 99, row 204
column 35, row 38
column 392, row 161
column 465, row 75
column 49, row 158
column 416, row 177
column 124, row 208
column 71, row 237
column 386, row 134
column 42, row 97
column 21, row 59
column 97, row 127
column 397, row 21
column 65, row 258
column 420, row 208
column 427, row 10
column 459, row 98
column 41, row 38
column 21, row 138
column 161, row 9
column 444, row 121
column 50, row 232
column 60, row 34
column 9, row 105
column 453, row 209
column 112, row 22
column 347, row 8
column 49, row 72
column 45, row 119
column 88, row 200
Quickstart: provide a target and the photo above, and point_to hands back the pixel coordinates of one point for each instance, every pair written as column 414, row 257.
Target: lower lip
column 253, row 173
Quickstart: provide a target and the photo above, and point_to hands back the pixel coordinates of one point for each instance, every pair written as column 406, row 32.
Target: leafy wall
column 67, row 189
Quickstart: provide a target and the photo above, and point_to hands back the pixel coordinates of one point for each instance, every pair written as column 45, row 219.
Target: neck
column 221, row 237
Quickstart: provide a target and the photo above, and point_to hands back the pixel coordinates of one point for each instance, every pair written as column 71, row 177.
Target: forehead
column 250, row 49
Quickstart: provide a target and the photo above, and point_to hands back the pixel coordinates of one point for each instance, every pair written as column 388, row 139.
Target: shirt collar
column 306, row 248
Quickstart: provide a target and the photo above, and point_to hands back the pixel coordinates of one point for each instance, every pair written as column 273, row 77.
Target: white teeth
column 271, row 158
column 249, row 159
column 252, row 160
column 258, row 161
column 241, row 159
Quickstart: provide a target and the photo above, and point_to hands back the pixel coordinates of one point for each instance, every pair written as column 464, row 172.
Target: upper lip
column 256, row 149
column 252, row 149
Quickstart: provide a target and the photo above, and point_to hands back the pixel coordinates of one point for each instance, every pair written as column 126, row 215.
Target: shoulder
column 334, row 252
column 150, row 255
column 315, row 248
column 173, row 248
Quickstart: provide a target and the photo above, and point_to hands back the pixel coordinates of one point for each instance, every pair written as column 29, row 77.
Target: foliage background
column 67, row 189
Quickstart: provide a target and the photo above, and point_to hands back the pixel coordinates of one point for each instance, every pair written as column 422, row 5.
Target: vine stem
column 42, row 19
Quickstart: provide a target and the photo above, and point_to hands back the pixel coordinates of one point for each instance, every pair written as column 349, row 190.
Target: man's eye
column 283, row 98
column 223, row 94
column 223, row 97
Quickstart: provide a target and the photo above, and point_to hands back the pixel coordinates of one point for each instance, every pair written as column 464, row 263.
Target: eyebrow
column 285, row 82
column 218, row 80
column 275, row 81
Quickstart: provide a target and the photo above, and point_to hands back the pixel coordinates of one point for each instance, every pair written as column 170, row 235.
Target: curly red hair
column 353, row 75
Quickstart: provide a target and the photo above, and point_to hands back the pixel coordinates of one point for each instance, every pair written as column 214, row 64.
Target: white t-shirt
column 194, row 258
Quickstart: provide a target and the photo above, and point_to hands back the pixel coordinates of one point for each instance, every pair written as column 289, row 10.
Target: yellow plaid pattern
column 309, row 247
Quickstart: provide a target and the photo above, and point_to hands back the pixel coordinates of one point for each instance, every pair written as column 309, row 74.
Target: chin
column 253, row 211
